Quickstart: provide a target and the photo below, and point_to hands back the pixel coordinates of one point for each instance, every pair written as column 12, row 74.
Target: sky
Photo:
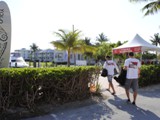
column 35, row 21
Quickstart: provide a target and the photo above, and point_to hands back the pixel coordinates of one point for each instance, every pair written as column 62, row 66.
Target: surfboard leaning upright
column 5, row 35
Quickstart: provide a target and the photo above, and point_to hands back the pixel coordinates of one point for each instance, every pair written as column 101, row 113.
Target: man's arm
column 139, row 72
column 104, row 65
column 125, row 67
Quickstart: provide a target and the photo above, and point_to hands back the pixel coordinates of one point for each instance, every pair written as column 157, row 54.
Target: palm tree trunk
column 74, row 59
column 34, row 62
column 68, row 57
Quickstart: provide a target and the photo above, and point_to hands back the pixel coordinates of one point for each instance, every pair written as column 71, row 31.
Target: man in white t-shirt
column 110, row 65
column 132, row 65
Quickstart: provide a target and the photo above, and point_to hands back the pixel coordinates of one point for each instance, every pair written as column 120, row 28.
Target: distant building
column 45, row 55
column 50, row 55
column 24, row 53
column 62, row 57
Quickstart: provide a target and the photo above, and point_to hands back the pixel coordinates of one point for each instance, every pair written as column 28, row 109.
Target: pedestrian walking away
column 132, row 65
column 110, row 65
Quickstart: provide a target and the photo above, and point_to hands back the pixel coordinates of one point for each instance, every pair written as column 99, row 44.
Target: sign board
column 129, row 49
column 5, row 35
column 81, row 62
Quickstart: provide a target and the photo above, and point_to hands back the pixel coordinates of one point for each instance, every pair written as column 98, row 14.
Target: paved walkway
column 111, row 107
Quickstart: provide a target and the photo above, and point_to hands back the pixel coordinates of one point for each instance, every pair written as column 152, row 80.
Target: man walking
column 110, row 65
column 132, row 65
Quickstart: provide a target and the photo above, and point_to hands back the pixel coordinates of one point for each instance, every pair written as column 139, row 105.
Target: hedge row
column 150, row 74
column 29, row 87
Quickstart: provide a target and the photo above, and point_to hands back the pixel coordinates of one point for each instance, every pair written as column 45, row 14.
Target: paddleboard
column 5, row 34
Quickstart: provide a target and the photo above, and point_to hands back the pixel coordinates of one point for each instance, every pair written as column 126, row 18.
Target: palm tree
column 102, row 38
column 33, row 48
column 87, row 41
column 88, row 48
column 151, row 7
column 68, row 41
column 156, row 39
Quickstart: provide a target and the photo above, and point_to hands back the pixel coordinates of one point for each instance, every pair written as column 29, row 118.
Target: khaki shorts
column 131, row 83
column 109, row 78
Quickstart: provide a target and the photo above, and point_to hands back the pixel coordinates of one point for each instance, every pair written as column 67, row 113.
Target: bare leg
column 134, row 96
column 127, row 93
column 111, row 84
column 127, row 88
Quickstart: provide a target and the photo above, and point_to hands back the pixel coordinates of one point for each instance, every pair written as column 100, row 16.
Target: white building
column 62, row 57
column 24, row 53
column 50, row 55
column 45, row 55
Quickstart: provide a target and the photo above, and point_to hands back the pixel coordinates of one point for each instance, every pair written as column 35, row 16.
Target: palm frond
column 77, row 49
column 138, row 0
column 62, row 34
column 58, row 45
column 34, row 47
column 156, row 39
column 151, row 8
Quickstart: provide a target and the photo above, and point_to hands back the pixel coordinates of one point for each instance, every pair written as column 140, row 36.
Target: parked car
column 18, row 62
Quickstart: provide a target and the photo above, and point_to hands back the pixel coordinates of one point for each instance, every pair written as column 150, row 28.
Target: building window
column 79, row 56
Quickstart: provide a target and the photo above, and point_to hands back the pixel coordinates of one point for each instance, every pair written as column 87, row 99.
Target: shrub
column 29, row 87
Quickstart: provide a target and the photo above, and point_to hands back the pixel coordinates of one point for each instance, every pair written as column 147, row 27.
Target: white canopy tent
column 137, row 44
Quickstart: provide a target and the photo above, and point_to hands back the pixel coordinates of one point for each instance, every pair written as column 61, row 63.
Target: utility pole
column 73, row 27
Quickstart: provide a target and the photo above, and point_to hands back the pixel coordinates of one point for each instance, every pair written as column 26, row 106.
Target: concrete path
column 109, row 107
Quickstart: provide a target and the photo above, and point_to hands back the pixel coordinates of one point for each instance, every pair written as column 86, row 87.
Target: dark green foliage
column 150, row 74
column 30, row 87
column 148, row 55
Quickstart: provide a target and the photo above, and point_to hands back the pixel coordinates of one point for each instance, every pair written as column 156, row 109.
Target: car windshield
column 13, row 60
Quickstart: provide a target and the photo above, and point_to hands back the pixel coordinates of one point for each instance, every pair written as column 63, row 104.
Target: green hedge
column 150, row 74
column 29, row 87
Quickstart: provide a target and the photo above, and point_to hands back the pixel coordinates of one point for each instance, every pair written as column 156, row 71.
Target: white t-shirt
column 110, row 65
column 132, row 65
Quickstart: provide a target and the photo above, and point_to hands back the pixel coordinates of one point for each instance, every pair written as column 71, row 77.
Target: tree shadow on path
column 135, row 112
column 152, row 91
